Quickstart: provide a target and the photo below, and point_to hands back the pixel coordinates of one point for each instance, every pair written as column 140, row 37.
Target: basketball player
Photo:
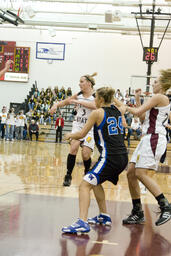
column 85, row 101
column 108, row 133
column 149, row 151
column 7, row 66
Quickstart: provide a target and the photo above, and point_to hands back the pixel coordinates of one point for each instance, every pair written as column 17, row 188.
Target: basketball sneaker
column 136, row 217
column 165, row 215
column 103, row 219
column 79, row 226
column 67, row 180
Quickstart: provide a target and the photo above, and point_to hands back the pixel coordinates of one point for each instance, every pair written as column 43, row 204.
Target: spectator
column 33, row 129
column 25, row 132
column 60, row 96
column 42, row 94
column 74, row 112
column 48, row 90
column 56, row 90
column 126, row 98
column 16, row 130
column 35, row 96
column 63, row 91
column 41, row 120
column 31, row 102
column 47, row 118
column 35, row 116
column 46, row 106
column 128, row 118
column 59, row 126
column 3, row 118
column 29, row 114
column 37, row 107
column 10, row 125
column 134, row 130
column 69, row 92
column 132, row 100
column 48, row 97
column 21, row 120
column 36, row 91
column 118, row 95
column 136, row 126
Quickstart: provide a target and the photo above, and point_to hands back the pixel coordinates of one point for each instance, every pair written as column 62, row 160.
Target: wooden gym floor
column 34, row 206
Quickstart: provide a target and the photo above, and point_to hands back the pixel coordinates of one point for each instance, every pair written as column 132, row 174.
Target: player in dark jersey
column 108, row 129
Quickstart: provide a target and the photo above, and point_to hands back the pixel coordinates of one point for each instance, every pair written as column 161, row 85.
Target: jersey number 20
column 114, row 125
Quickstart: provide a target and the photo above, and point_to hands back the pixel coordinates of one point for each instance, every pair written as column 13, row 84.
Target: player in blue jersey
column 108, row 134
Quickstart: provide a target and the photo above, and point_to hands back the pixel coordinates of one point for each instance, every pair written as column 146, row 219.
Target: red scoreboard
column 20, row 56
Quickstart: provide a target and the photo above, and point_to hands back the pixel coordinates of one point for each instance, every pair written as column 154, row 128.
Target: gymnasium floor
column 34, row 206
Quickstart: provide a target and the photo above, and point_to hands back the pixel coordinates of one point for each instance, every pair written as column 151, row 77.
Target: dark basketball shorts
column 107, row 169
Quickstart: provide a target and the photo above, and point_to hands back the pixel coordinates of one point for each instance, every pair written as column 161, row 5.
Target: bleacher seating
column 48, row 132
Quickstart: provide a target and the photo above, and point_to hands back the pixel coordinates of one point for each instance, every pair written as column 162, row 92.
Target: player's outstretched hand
column 53, row 109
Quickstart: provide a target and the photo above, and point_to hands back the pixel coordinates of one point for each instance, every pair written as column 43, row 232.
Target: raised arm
column 122, row 109
column 117, row 102
column 62, row 103
column 152, row 102
column 7, row 66
column 90, row 105
column 93, row 118
column 138, row 103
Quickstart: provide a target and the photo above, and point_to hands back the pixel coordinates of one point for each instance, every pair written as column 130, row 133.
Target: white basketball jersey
column 83, row 112
column 155, row 120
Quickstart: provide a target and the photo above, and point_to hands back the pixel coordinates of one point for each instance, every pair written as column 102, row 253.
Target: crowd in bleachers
column 41, row 101
column 19, row 125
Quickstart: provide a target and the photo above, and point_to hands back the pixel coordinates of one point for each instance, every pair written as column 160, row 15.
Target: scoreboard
column 20, row 55
column 21, row 59
column 150, row 54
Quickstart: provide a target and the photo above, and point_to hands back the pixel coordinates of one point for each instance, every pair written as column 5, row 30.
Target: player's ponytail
column 165, row 79
column 90, row 78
